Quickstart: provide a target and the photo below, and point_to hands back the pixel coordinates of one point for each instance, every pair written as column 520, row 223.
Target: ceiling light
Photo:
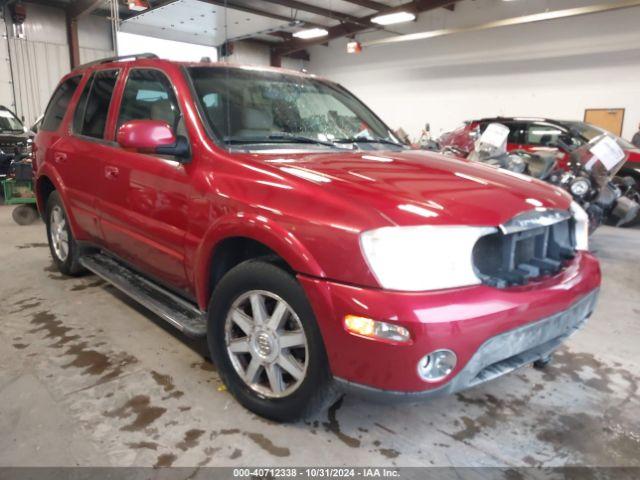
column 396, row 17
column 137, row 5
column 354, row 47
column 311, row 33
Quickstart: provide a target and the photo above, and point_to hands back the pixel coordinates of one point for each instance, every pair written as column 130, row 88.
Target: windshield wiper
column 369, row 140
column 281, row 137
column 300, row 139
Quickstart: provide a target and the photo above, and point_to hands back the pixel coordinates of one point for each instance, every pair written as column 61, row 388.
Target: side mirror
column 152, row 136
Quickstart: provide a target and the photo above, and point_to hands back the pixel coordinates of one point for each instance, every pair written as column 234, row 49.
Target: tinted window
column 96, row 108
column 78, row 115
column 9, row 122
column 58, row 104
column 516, row 133
column 148, row 95
column 543, row 134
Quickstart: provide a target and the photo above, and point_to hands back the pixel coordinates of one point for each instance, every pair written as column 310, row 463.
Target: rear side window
column 90, row 117
column 58, row 104
column 148, row 95
column 78, row 115
column 516, row 133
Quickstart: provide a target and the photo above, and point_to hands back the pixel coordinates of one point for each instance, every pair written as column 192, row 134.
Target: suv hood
column 418, row 187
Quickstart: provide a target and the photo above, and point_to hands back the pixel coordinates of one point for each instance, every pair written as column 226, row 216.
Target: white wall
column 130, row 44
column 6, row 90
column 253, row 53
column 40, row 59
column 555, row 68
column 94, row 38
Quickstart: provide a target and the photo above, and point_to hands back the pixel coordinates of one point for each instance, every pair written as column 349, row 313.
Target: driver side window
column 148, row 95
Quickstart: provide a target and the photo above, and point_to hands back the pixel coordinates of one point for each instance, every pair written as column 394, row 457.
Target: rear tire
column 64, row 249
column 24, row 214
column 269, row 390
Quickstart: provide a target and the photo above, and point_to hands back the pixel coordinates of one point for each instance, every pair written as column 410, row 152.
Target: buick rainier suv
column 275, row 214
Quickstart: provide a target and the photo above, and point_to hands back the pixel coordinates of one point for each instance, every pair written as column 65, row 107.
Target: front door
column 144, row 198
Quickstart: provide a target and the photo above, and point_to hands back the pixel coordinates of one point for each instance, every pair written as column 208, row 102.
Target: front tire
column 64, row 249
column 266, row 343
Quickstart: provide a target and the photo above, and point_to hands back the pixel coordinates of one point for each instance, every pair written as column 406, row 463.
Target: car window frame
column 71, row 105
column 89, row 84
column 215, row 136
column 119, row 97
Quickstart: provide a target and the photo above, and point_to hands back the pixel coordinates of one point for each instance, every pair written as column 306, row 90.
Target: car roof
column 150, row 60
column 527, row 119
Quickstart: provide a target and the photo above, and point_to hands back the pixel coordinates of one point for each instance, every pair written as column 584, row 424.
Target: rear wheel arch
column 44, row 188
column 47, row 183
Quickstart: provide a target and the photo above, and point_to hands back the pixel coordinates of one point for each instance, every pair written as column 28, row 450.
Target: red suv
column 542, row 135
column 274, row 213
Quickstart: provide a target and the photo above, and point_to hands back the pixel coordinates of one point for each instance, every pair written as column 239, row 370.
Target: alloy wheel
column 266, row 343
column 58, row 233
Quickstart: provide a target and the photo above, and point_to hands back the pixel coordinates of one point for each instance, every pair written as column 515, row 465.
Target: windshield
column 9, row 123
column 589, row 132
column 249, row 107
column 602, row 168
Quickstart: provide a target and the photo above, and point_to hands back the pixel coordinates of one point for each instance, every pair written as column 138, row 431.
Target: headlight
column 581, row 226
column 580, row 186
column 423, row 257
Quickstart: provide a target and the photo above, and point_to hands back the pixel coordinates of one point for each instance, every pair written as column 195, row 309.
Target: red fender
column 49, row 172
column 254, row 227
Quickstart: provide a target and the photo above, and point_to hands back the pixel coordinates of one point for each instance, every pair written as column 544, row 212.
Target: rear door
column 144, row 198
column 80, row 153
column 55, row 146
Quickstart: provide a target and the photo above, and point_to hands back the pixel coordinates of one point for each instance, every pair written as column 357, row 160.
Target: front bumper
column 497, row 356
column 492, row 331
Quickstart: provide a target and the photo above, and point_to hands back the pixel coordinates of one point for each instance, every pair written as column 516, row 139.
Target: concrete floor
column 89, row 378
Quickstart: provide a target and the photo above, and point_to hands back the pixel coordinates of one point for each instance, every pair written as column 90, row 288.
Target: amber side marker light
column 376, row 330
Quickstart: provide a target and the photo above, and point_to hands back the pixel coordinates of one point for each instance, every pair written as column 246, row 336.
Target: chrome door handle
column 111, row 172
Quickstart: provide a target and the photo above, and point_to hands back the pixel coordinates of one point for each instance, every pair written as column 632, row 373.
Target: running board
column 178, row 312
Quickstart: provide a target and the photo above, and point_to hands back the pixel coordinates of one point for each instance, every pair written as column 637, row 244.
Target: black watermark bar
column 303, row 473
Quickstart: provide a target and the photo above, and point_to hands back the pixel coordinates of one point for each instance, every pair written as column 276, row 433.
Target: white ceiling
column 197, row 22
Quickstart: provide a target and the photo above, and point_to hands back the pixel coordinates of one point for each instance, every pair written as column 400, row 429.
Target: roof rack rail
column 116, row 59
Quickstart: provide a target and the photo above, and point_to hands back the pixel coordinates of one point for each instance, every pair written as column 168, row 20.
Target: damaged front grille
column 532, row 245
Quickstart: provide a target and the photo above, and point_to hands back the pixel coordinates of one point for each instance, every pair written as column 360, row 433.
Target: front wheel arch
column 269, row 235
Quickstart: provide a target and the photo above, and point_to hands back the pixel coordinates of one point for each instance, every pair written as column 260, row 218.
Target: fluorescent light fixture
column 137, row 5
column 311, row 33
column 392, row 18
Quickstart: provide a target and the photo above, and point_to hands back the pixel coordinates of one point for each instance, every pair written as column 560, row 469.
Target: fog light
column 437, row 365
column 375, row 330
